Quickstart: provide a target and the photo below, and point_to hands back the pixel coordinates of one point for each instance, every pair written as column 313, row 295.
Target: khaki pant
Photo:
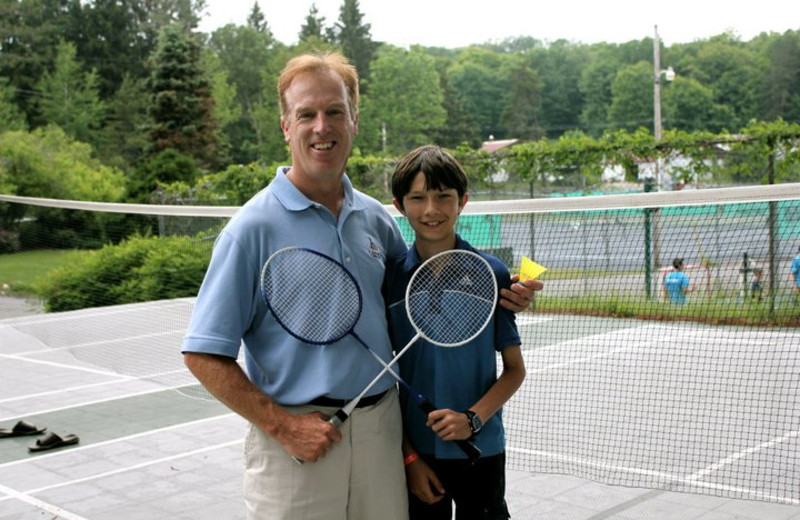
column 361, row 478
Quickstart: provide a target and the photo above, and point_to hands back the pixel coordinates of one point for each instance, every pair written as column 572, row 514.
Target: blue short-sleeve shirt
column 450, row 377
column 796, row 270
column 676, row 284
column 229, row 312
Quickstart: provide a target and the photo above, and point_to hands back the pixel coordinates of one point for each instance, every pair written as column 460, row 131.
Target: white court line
column 600, row 336
column 147, row 378
column 96, row 401
column 661, row 475
column 103, row 342
column 45, row 506
column 59, row 391
column 736, row 456
column 25, row 495
column 691, row 480
column 527, row 319
column 135, row 466
column 586, row 359
column 16, row 357
column 81, row 314
column 582, row 342
column 118, row 439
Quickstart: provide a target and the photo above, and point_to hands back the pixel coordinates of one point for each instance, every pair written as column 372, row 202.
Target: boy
column 430, row 189
column 757, row 285
column 676, row 283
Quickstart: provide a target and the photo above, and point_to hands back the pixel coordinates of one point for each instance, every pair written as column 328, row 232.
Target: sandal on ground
column 53, row 440
column 21, row 429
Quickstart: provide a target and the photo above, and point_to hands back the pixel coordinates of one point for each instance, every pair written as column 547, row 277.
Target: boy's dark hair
column 677, row 263
column 442, row 171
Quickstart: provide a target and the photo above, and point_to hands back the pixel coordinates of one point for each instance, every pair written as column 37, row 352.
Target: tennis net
column 632, row 380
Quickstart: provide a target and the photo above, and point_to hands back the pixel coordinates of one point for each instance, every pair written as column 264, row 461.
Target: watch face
column 474, row 422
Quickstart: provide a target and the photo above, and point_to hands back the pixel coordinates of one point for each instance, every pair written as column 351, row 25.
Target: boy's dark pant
column 478, row 490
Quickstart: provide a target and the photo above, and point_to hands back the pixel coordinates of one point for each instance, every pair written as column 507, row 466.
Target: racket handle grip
column 467, row 446
column 339, row 418
column 472, row 451
column 336, row 420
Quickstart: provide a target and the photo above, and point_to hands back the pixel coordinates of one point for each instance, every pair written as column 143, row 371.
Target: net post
column 648, row 260
column 745, row 270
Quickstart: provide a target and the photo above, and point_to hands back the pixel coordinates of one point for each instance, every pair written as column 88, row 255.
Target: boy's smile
column 432, row 213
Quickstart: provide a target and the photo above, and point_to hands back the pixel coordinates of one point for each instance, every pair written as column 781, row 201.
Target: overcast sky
column 456, row 23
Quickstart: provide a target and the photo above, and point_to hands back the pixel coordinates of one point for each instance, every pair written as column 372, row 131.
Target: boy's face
column 432, row 213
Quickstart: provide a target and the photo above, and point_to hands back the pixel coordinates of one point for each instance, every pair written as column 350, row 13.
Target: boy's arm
column 451, row 425
column 506, row 385
column 421, row 479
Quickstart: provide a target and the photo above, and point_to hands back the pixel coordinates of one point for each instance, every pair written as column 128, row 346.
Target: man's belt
column 340, row 403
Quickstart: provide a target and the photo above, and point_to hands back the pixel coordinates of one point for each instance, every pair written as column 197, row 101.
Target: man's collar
column 294, row 200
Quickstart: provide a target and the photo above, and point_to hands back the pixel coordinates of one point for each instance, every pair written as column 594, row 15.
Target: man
column 290, row 387
column 676, row 283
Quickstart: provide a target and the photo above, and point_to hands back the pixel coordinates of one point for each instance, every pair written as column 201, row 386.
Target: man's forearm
column 306, row 437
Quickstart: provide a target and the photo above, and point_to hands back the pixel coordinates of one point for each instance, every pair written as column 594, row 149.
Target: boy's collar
column 413, row 259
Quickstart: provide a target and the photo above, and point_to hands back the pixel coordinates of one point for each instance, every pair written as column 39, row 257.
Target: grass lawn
column 19, row 271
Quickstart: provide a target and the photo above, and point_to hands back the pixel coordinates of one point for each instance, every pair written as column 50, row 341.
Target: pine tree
column 181, row 108
column 353, row 36
column 258, row 21
column 313, row 26
column 70, row 97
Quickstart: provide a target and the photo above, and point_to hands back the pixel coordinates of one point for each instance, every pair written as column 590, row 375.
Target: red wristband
column 410, row 458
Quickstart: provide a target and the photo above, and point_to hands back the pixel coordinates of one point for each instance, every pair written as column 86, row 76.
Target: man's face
column 432, row 213
column 318, row 125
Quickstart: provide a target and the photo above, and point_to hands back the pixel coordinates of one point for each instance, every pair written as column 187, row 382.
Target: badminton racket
column 324, row 312
column 450, row 300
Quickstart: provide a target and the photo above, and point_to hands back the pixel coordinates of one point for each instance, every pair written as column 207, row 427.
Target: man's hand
column 520, row 295
column 308, row 437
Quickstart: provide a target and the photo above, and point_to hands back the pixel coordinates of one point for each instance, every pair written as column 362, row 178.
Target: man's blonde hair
column 320, row 62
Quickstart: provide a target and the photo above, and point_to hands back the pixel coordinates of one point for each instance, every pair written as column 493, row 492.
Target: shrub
column 138, row 269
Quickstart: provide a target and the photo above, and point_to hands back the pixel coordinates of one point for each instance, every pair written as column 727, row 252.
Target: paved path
column 11, row 307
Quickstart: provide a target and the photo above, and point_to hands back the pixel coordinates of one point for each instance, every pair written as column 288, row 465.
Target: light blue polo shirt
column 450, row 377
column 229, row 312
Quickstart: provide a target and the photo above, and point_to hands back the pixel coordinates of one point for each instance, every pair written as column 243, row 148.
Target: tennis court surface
column 605, row 426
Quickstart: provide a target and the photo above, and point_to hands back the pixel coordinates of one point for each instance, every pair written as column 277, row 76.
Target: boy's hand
column 422, row 481
column 449, row 425
column 520, row 295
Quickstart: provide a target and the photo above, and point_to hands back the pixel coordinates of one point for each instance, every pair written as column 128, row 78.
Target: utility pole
column 656, row 225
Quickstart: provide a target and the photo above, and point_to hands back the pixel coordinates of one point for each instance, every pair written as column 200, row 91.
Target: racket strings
column 321, row 307
column 451, row 298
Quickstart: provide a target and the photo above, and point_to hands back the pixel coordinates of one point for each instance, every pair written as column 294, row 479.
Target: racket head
column 451, row 297
column 311, row 295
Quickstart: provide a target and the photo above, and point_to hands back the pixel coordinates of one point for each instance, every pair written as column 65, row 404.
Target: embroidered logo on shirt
column 374, row 250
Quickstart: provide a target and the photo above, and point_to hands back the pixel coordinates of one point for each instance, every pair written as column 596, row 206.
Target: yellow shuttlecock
column 530, row 270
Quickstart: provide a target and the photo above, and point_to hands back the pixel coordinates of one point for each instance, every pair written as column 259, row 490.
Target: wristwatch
column 475, row 423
